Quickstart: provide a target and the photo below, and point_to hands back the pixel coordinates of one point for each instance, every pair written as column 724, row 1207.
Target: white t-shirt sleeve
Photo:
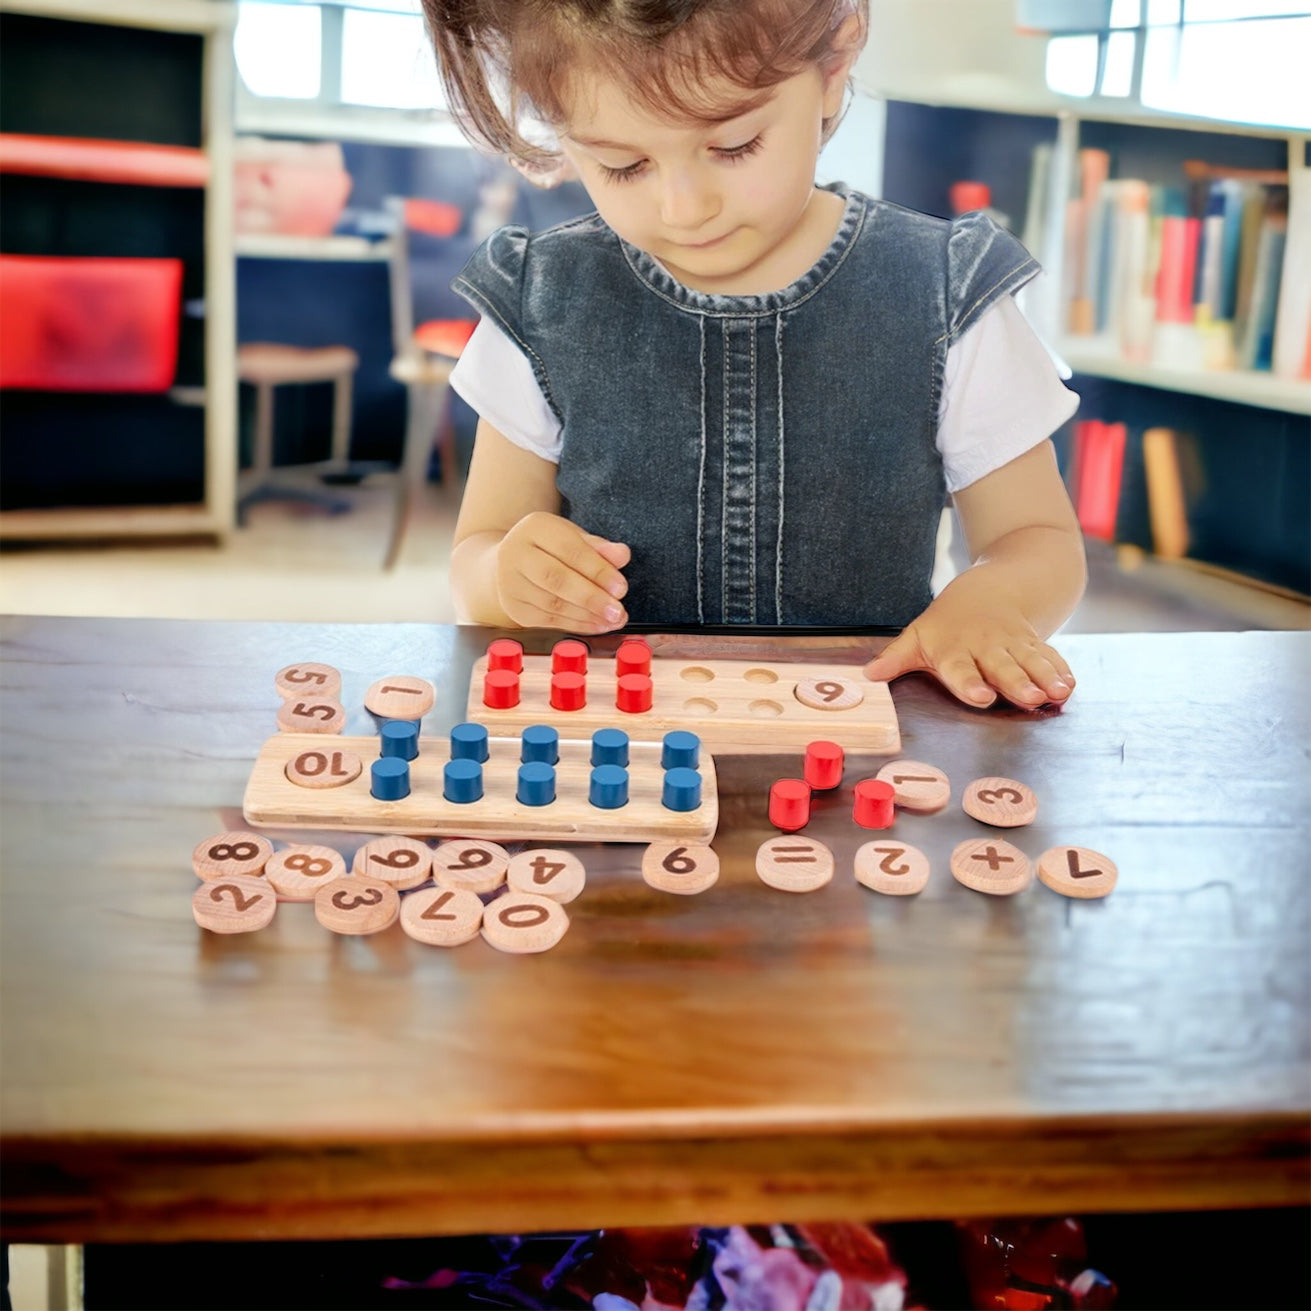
column 1001, row 394
column 497, row 380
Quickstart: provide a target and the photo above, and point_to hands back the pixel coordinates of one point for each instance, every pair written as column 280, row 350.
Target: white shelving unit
column 213, row 20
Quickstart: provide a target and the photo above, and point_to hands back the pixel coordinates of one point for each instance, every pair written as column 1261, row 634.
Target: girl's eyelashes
column 728, row 154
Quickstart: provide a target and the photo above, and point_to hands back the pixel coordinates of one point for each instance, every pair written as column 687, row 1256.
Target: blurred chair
column 423, row 358
column 268, row 365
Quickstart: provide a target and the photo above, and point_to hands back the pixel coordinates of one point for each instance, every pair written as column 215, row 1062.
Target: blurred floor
column 295, row 563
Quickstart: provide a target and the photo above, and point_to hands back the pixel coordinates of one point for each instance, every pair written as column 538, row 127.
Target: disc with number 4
column 556, row 874
column 684, row 868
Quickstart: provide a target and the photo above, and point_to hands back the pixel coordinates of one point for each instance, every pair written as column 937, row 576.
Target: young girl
column 730, row 396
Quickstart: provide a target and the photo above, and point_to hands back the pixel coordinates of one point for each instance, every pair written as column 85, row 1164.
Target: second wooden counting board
column 733, row 705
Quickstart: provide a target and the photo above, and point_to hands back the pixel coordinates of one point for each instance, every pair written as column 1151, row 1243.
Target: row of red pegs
column 789, row 798
column 633, row 687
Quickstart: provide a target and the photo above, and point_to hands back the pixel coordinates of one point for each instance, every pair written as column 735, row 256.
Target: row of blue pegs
column 462, row 782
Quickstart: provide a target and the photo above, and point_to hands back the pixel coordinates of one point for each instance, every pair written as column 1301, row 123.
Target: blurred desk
column 345, row 249
column 744, row 1055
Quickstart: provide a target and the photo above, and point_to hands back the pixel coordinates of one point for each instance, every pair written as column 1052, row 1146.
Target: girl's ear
column 848, row 41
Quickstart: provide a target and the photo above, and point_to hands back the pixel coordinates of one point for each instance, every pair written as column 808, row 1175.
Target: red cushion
column 444, row 336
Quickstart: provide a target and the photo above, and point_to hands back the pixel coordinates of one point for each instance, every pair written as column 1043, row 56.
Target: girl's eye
column 625, row 174
column 740, row 152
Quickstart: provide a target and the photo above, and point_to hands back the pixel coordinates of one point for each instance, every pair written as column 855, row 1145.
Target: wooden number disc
column 231, row 855
column 892, row 867
column 400, row 697
column 308, row 679
column 991, row 865
column 556, row 874
column 328, row 768
column 794, row 864
column 356, row 906
column 297, row 873
column 1001, row 802
column 470, row 864
column 683, row 867
column 521, row 922
column 1077, row 872
column 442, row 917
column 237, row 905
column 829, row 693
column 918, row 787
column 402, row 862
column 311, row 714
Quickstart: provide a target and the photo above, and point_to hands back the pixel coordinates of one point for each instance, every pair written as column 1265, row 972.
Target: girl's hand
column 552, row 574
column 977, row 656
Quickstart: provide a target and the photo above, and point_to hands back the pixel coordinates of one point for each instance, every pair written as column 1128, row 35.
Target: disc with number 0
column 682, row 867
column 521, row 922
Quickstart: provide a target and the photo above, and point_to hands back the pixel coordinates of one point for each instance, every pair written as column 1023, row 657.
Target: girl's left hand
column 978, row 659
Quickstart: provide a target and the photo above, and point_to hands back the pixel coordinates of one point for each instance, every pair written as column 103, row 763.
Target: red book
column 1178, row 268
column 1100, row 466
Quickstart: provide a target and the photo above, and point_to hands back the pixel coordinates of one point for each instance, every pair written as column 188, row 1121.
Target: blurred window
column 1240, row 61
column 279, row 49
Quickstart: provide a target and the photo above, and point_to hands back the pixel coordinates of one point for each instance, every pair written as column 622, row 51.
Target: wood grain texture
column 748, row 706
column 271, row 798
column 738, row 1055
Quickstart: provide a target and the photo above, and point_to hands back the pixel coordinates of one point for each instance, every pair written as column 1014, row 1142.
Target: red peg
column 789, row 804
column 569, row 657
column 505, row 653
column 633, row 693
column 873, row 808
column 501, row 689
column 823, row 765
column 633, row 657
column 568, row 691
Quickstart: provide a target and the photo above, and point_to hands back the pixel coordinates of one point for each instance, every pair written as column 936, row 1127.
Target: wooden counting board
column 273, row 800
column 732, row 705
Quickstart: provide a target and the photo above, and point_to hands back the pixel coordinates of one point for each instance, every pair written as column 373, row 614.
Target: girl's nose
column 686, row 201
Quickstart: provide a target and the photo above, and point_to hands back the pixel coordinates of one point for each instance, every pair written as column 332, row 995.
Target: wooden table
column 742, row 1055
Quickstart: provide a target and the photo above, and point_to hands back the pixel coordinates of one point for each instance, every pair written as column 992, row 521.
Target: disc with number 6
column 402, row 862
column 685, row 868
column 470, row 864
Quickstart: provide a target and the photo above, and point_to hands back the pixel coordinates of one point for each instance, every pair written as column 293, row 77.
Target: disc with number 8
column 231, row 855
column 682, row 867
column 297, row 873
column 402, row 862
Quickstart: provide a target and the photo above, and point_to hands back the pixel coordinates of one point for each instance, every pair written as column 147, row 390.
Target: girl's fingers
column 534, row 607
column 963, row 679
column 1012, row 680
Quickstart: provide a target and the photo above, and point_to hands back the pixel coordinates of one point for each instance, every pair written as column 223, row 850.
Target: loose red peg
column 823, row 768
column 789, row 804
column 873, row 807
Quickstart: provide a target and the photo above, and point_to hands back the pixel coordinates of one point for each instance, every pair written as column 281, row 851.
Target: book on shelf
column 1098, row 466
column 1190, row 276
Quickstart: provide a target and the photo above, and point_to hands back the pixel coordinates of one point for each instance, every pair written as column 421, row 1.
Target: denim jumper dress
column 771, row 460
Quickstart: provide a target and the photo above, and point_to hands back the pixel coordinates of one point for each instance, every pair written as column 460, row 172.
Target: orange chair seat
column 444, row 336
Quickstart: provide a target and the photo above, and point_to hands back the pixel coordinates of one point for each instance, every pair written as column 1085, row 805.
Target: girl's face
column 727, row 207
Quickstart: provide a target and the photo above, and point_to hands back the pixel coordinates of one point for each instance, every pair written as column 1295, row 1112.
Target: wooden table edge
column 144, row 1188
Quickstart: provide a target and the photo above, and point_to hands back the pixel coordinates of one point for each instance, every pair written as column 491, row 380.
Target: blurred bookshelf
column 116, row 145
column 1224, row 476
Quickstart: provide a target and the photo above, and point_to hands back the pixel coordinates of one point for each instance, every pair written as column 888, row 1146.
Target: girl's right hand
column 552, row 574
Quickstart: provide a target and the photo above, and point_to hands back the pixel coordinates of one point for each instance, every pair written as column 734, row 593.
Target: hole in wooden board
column 765, row 709
column 760, row 676
column 698, row 674
column 701, row 705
